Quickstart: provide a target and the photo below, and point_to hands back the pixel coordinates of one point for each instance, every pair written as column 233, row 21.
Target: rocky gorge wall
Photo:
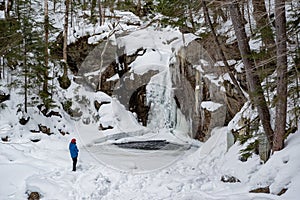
column 200, row 92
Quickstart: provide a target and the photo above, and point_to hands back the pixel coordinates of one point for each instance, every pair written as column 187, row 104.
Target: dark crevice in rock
column 138, row 105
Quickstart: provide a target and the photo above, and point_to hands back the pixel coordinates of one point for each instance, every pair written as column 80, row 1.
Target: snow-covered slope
column 45, row 167
column 36, row 162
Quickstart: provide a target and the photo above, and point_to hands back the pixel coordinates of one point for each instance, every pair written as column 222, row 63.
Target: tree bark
column 46, row 26
column 249, row 17
column 64, row 80
column 66, row 26
column 139, row 8
column 101, row 15
column 93, row 7
column 256, row 91
column 54, row 5
column 281, row 101
column 9, row 6
column 25, row 74
column 2, row 65
column 263, row 24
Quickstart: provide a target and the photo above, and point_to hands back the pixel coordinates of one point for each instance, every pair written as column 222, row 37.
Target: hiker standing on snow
column 74, row 152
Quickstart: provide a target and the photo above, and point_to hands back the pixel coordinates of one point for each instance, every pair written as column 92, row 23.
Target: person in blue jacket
column 74, row 152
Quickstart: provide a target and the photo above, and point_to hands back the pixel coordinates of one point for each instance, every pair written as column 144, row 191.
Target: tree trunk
column 9, row 6
column 256, row 91
column 2, row 66
column 263, row 24
column 93, row 6
column 99, row 86
column 230, row 70
column 54, row 5
column 249, row 17
column 64, row 81
column 281, row 101
column 65, row 55
column 46, row 26
column 71, row 2
column 139, row 8
column 101, row 15
column 25, row 74
column 191, row 17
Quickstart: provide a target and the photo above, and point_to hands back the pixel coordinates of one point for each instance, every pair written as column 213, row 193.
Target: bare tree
column 66, row 26
column 9, row 6
column 25, row 74
column 101, row 14
column 99, row 87
column 256, row 91
column 230, row 70
column 64, row 80
column 139, row 8
column 249, row 17
column 281, row 101
column 263, row 25
column 267, row 58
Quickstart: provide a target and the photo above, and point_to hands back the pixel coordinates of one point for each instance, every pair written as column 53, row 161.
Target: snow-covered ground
column 113, row 173
column 106, row 171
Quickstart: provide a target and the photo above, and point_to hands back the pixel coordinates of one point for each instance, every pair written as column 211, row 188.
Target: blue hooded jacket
column 73, row 150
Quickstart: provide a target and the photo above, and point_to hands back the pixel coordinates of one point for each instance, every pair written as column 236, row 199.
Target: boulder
column 34, row 196
column 229, row 179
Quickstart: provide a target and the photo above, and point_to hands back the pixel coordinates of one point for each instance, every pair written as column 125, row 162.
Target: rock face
column 131, row 92
column 196, row 68
column 196, row 82
column 34, row 196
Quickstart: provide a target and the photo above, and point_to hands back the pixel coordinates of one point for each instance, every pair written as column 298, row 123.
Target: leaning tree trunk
column 281, row 101
column 230, row 70
column 256, row 91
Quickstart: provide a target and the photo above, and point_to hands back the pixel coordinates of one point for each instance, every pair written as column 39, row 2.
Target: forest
column 110, row 64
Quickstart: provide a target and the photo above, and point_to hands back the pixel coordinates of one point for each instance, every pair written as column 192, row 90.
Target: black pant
column 74, row 163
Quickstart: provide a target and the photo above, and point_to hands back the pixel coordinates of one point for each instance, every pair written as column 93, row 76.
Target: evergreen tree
column 25, row 50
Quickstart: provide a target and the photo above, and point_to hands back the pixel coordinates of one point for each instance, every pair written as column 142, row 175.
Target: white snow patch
column 113, row 78
column 2, row 14
column 210, row 106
